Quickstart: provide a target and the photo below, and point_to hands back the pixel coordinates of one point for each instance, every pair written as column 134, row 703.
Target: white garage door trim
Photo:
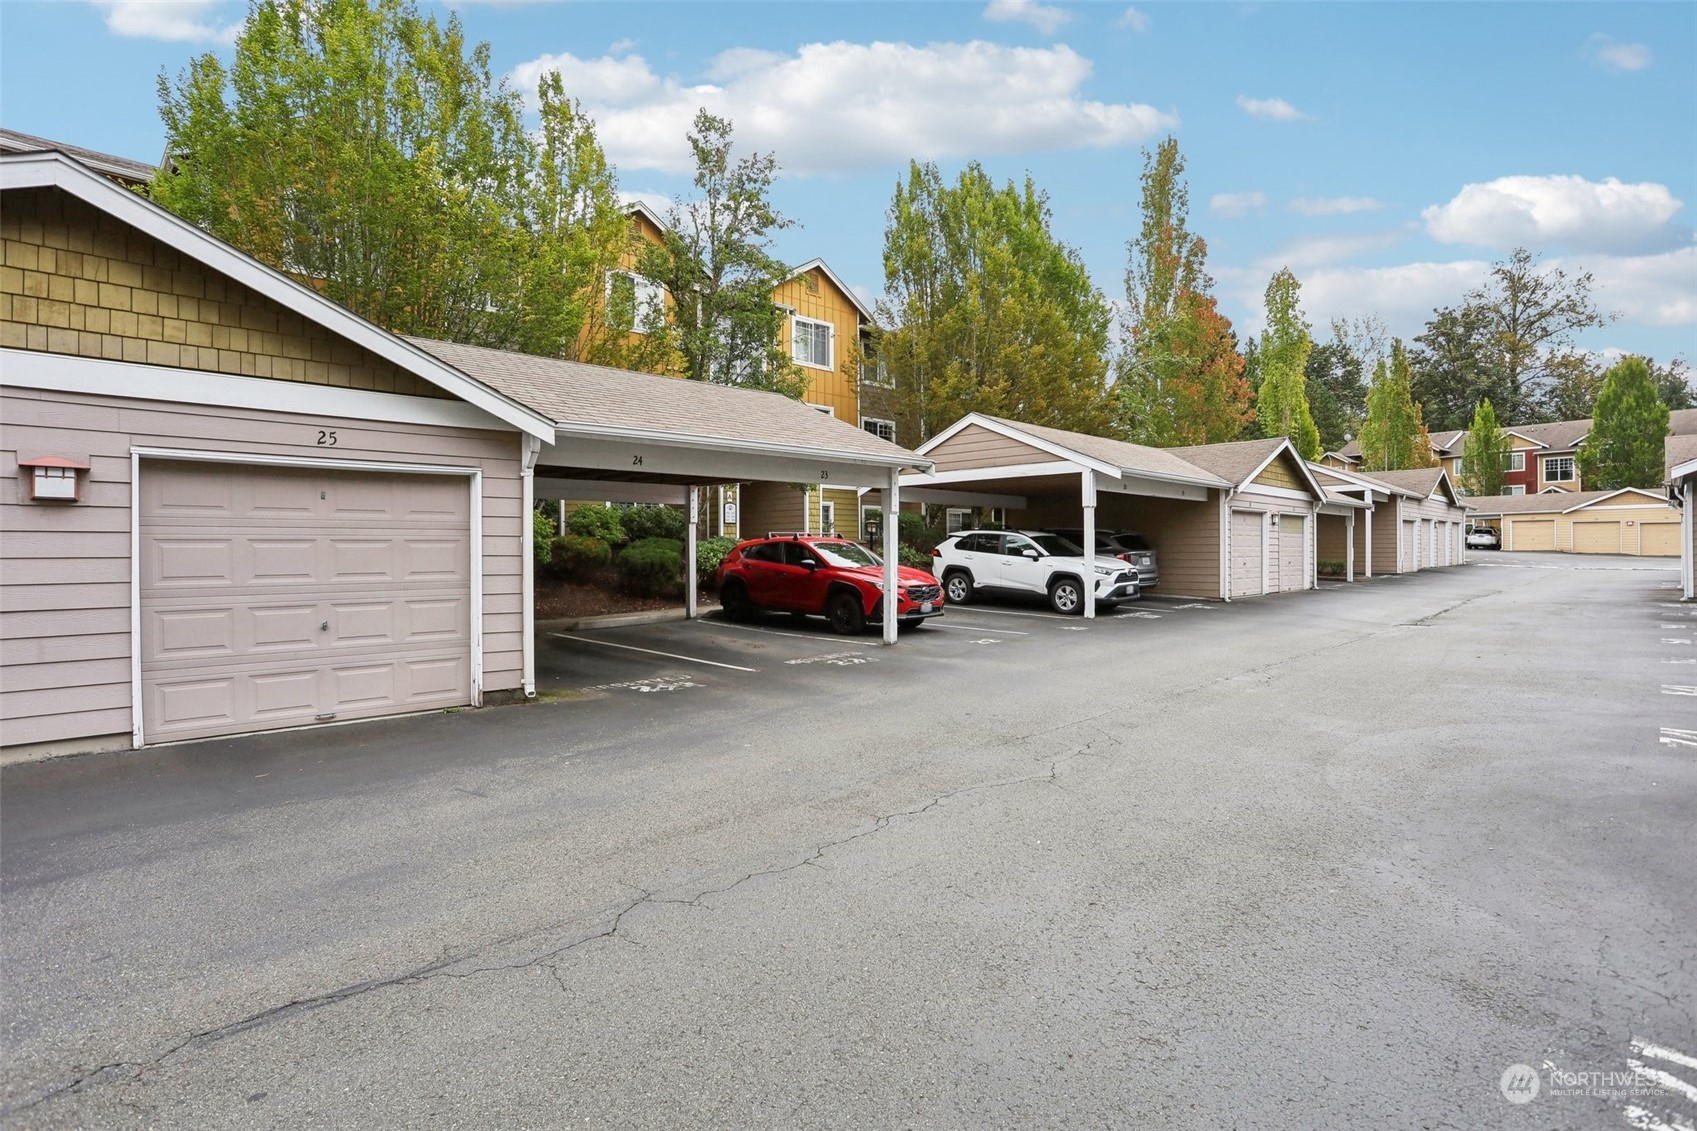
column 1264, row 518
column 474, row 476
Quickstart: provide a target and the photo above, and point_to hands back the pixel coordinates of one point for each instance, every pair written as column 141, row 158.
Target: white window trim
column 796, row 322
column 1516, row 460
column 965, row 514
column 1514, row 489
column 1572, row 467
column 865, row 420
column 827, row 515
column 649, row 296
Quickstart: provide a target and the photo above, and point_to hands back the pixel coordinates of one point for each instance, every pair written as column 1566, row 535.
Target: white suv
column 974, row 563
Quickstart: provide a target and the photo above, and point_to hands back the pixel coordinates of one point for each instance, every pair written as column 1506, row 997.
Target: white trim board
column 50, row 169
column 64, row 373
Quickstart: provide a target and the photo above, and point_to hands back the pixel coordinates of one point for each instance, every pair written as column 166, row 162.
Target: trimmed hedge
column 597, row 522
column 654, row 522
column 578, row 557
column 710, row 553
column 652, row 567
column 542, row 537
column 912, row 530
column 908, row 556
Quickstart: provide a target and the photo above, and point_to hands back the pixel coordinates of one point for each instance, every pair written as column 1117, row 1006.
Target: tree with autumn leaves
column 1179, row 375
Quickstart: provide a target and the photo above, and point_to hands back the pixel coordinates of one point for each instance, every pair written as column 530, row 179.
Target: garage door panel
column 1293, row 552
column 1533, row 535
column 1659, row 539
column 1246, row 553
column 1596, row 537
column 276, row 597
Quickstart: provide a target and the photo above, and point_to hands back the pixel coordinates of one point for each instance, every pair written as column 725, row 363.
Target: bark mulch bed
column 557, row 599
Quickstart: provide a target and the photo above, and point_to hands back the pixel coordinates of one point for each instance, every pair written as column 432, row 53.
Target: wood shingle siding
column 75, row 281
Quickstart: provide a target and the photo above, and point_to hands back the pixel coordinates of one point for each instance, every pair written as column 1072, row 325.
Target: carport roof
column 1240, row 461
column 1553, row 502
column 1158, row 463
column 1680, row 450
column 599, row 401
column 1419, row 482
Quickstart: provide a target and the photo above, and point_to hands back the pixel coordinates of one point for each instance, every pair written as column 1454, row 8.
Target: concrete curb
column 614, row 620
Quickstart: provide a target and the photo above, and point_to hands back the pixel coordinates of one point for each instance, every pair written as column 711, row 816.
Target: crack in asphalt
column 132, row 1071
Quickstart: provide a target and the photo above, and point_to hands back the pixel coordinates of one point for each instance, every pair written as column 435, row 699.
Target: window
column 1458, row 472
column 1515, row 489
column 810, row 342
column 1514, row 461
column 883, row 429
column 632, row 301
column 1559, row 469
column 980, row 544
column 827, row 517
column 872, row 371
column 957, row 519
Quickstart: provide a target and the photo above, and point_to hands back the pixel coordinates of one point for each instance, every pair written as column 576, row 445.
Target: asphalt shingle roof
column 1677, row 450
column 11, row 141
column 1534, row 504
column 1234, row 462
column 1419, row 482
column 596, row 396
column 1121, row 454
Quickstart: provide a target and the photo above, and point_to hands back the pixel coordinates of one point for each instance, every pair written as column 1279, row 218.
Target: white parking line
column 1014, row 613
column 755, row 628
column 980, row 628
column 651, row 652
column 1678, row 689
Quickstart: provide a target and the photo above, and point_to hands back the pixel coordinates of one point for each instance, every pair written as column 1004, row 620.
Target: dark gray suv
column 1133, row 549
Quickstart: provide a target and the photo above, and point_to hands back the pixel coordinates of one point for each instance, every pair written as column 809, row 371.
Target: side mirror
column 809, row 564
column 1030, row 553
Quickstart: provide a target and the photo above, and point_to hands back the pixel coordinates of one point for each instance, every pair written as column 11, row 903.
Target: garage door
column 1596, row 537
column 1247, row 553
column 275, row 597
column 1658, row 539
column 1532, row 534
column 1293, row 553
column 1410, row 546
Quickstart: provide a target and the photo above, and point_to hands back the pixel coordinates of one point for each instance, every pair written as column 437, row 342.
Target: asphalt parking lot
column 1320, row 860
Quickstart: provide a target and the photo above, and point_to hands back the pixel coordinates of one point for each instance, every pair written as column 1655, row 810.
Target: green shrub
column 578, row 557
column 709, row 553
column 912, row 530
column 652, row 567
column 908, row 556
column 1331, row 568
column 542, row 537
column 654, row 522
column 597, row 522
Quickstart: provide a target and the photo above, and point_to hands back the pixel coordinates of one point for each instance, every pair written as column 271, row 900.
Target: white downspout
column 530, row 448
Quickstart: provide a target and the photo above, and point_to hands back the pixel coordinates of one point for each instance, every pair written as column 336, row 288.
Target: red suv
column 821, row 574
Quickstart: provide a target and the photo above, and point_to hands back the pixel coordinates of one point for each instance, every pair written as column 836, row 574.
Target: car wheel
column 845, row 614
column 957, row 587
column 733, row 599
column 1066, row 596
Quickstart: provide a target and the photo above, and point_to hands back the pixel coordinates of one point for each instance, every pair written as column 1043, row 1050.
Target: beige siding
column 1439, row 523
column 1186, row 536
column 975, row 446
column 76, row 281
column 1387, row 529
column 1333, row 538
column 770, row 506
column 64, row 595
column 1282, row 473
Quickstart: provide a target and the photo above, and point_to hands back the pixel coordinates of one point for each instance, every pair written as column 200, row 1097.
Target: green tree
column 1484, row 454
column 369, row 151
column 1530, row 316
column 1573, row 387
column 988, row 311
column 1456, row 364
column 1673, row 383
column 1337, row 389
column 1394, row 436
column 1179, row 377
column 1282, row 404
column 1625, row 445
column 715, row 261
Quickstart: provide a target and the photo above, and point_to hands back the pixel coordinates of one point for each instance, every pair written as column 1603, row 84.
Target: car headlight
column 1106, row 571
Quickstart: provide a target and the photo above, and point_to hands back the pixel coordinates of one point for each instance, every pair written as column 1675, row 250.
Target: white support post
column 1087, row 482
column 529, row 449
column 1349, row 546
column 691, row 608
column 1368, row 542
column 892, row 508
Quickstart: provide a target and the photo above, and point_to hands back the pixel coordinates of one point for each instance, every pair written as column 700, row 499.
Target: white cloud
column 1134, row 18
column 838, row 107
column 1270, row 109
column 179, row 21
column 1582, row 215
column 1647, row 290
column 621, row 47
column 1046, row 18
column 1334, row 205
column 1312, row 252
column 1235, row 204
column 1619, row 56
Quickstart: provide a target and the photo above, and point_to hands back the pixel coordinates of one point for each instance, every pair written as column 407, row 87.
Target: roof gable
column 56, row 170
column 1240, row 462
column 820, row 266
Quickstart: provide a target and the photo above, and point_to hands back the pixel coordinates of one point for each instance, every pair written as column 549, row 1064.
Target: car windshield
column 1055, row 544
column 848, row 554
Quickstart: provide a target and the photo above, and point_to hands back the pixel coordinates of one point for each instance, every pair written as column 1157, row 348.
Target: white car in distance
column 1028, row 563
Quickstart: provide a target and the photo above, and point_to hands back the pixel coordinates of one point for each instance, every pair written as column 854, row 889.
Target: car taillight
column 935, row 552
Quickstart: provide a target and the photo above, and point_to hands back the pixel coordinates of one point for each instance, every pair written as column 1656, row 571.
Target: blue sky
column 1386, row 152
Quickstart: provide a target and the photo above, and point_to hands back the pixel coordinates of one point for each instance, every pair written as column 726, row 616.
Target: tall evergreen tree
column 1484, row 454
column 1282, row 405
column 1625, row 445
column 1179, row 377
column 988, row 311
column 1337, row 389
column 1456, row 364
column 1394, row 436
